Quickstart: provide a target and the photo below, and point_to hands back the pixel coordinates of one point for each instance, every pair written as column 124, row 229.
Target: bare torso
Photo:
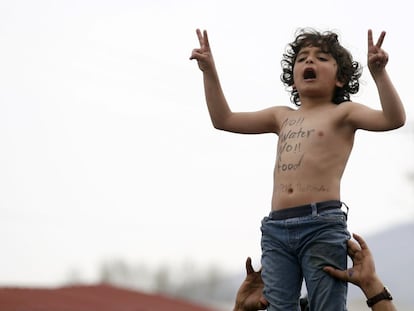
column 313, row 148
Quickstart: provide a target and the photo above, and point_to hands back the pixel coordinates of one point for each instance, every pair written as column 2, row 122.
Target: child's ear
column 339, row 84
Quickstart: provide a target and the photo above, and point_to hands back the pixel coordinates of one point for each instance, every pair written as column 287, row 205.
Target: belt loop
column 347, row 210
column 314, row 210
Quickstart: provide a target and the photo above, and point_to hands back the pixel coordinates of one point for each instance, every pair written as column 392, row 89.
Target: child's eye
column 321, row 58
column 301, row 59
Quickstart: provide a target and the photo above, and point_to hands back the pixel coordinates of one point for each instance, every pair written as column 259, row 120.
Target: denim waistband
column 305, row 210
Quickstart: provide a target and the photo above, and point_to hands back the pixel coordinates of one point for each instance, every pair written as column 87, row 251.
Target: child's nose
column 309, row 59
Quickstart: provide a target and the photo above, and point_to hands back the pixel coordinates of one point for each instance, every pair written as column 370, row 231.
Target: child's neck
column 313, row 103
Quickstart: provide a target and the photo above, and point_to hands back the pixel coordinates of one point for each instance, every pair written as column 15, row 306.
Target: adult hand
column 250, row 294
column 362, row 273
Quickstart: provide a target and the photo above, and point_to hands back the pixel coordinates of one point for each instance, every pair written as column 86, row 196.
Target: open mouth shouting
column 309, row 74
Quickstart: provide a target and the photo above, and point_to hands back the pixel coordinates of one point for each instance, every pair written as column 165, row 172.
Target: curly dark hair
column 349, row 71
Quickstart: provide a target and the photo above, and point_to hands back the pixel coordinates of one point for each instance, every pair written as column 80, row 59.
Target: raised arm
column 264, row 121
column 392, row 114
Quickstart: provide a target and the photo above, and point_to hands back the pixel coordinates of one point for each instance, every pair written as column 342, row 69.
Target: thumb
column 338, row 274
column 263, row 303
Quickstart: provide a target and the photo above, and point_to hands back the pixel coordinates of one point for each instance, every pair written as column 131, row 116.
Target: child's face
column 315, row 72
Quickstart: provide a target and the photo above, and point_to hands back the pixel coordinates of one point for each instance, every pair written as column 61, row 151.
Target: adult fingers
column 360, row 241
column 249, row 267
column 263, row 303
column 338, row 274
column 353, row 248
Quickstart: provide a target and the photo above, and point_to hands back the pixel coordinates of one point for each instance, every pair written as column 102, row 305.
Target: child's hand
column 377, row 57
column 203, row 54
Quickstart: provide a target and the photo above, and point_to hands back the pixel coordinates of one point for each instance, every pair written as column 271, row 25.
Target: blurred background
column 111, row 171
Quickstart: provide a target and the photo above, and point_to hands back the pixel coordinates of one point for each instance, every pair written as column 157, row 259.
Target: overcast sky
column 107, row 150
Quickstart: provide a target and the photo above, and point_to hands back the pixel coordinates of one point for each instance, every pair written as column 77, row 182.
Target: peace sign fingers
column 203, row 39
column 203, row 53
column 371, row 41
column 380, row 39
column 377, row 57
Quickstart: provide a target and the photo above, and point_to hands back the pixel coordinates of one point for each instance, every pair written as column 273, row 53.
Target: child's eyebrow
column 305, row 51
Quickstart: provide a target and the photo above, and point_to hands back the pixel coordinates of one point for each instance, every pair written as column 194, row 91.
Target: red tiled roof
column 89, row 298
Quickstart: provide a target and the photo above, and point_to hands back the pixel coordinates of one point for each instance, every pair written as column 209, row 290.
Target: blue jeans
column 298, row 248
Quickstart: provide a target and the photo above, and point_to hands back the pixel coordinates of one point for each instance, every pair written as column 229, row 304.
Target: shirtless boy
column 306, row 229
